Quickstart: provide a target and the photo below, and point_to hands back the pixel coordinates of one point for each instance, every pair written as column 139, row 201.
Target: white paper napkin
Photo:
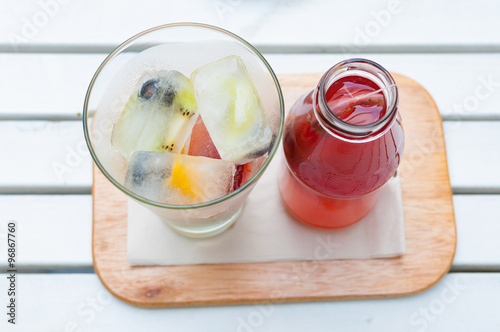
column 266, row 232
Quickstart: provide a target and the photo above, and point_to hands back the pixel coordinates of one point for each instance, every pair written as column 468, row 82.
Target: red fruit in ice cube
column 246, row 171
column 201, row 144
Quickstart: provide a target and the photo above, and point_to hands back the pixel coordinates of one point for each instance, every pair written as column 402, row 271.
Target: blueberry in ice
column 149, row 89
column 168, row 94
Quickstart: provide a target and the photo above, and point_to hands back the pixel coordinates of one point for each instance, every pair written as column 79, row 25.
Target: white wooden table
column 49, row 50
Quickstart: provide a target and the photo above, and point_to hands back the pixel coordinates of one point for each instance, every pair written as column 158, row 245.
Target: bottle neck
column 347, row 131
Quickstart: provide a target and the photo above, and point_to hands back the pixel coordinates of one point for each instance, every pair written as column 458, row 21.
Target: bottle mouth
column 369, row 70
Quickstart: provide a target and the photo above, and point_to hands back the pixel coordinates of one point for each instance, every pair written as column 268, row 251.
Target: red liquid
column 356, row 100
column 331, row 182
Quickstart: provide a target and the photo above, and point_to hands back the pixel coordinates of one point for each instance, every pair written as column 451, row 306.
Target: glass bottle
column 342, row 142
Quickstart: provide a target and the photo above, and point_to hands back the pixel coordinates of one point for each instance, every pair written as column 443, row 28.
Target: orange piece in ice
column 181, row 178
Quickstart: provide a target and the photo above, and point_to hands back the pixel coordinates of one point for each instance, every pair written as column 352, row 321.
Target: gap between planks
column 107, row 48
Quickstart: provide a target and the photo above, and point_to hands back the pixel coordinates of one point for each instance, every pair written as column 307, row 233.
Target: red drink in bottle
column 342, row 142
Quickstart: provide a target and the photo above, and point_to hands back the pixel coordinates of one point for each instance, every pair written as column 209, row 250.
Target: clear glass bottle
column 342, row 142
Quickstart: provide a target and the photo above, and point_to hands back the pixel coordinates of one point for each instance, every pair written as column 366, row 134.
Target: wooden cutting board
column 429, row 229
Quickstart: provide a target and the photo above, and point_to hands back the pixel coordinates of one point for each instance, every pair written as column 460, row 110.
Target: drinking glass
column 184, row 47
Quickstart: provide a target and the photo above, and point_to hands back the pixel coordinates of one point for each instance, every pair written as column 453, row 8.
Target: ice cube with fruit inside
column 200, row 144
column 158, row 116
column 178, row 179
column 231, row 109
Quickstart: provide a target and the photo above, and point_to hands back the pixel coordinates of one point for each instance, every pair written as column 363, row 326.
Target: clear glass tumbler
column 183, row 47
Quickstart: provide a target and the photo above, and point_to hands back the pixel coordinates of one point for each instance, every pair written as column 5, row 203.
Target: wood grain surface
column 429, row 229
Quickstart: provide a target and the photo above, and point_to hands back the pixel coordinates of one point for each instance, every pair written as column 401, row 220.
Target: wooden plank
column 44, row 157
column 475, row 98
column 56, row 231
column 380, row 25
column 461, row 302
column 473, row 150
column 63, row 164
column 56, row 86
column 53, row 232
column 478, row 231
column 429, row 232
column 50, row 74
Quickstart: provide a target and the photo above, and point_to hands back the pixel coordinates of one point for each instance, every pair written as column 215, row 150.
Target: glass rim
column 145, row 200
column 348, row 128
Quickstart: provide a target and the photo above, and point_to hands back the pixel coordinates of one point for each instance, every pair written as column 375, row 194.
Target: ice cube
column 158, row 116
column 231, row 109
column 200, row 144
column 178, row 179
